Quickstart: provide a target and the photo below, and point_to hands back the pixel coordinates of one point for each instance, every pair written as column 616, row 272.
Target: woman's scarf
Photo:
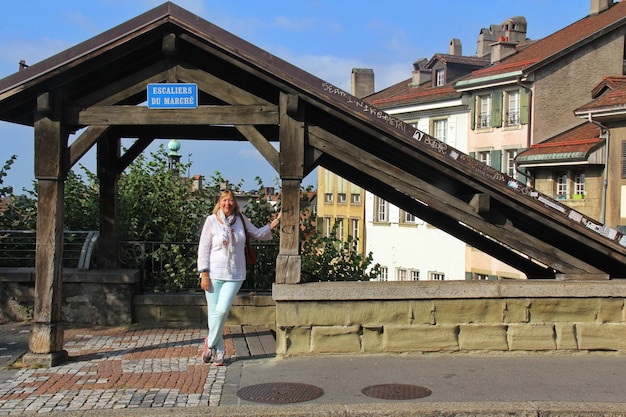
column 229, row 238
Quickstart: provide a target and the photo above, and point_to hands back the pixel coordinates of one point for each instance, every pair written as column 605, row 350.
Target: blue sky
column 324, row 37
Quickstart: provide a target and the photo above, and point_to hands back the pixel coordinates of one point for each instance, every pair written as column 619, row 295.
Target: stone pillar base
column 46, row 360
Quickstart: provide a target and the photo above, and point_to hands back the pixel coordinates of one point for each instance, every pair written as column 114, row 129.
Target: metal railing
column 171, row 266
column 164, row 266
column 17, row 248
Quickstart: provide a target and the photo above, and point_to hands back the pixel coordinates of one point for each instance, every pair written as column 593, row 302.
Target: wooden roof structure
column 246, row 93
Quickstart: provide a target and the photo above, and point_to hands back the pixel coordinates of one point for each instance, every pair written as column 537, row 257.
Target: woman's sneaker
column 219, row 359
column 207, row 353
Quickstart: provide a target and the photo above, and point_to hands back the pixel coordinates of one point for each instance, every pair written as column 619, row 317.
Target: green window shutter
column 468, row 276
column 496, row 109
column 473, row 113
column 493, row 277
column 496, row 160
column 524, row 108
column 472, row 154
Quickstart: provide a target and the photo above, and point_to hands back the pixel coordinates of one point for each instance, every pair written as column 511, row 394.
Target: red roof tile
column 580, row 140
column 557, row 42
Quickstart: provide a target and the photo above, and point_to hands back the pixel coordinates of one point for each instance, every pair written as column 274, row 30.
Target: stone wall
column 453, row 316
column 97, row 297
column 191, row 310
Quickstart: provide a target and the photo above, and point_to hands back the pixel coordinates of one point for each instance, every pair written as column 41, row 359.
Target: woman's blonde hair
column 223, row 194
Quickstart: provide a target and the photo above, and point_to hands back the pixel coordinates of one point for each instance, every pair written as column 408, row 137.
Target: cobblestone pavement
column 120, row 368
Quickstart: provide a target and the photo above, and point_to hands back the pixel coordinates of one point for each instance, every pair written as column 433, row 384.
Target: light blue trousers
column 219, row 298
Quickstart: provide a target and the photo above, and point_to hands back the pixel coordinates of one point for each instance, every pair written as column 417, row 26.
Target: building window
column 624, row 157
column 415, row 275
column 440, row 130
column 561, row 185
column 484, row 113
column 382, row 210
column 342, row 187
column 485, row 157
column 327, row 228
column 579, row 185
column 406, row 217
column 401, row 274
column 513, row 108
column 354, row 227
column 384, row 273
column 436, row 276
column 339, row 229
column 481, row 277
column 440, row 77
column 355, row 198
column 510, row 163
column 328, row 186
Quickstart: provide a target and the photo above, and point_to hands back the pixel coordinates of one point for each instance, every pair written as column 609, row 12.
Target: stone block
column 469, row 311
column 565, row 336
column 312, row 313
column 249, row 315
column 293, row 341
column 531, row 337
column 611, row 310
column 516, row 310
column 383, row 312
column 595, row 336
column 482, row 337
column 554, row 310
column 371, row 340
column 420, row 338
column 336, row 339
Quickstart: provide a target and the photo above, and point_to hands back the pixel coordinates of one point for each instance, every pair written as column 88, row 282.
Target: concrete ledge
column 375, row 409
column 426, row 290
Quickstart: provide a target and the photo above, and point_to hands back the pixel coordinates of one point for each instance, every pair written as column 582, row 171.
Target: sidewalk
column 135, row 371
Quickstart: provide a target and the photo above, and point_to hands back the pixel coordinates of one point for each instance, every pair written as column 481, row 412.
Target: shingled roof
column 535, row 55
column 405, row 92
column 574, row 145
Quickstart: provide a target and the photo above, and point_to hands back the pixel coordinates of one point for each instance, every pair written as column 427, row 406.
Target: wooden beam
column 133, row 152
column 291, row 136
column 122, row 89
column 219, row 88
column 445, row 203
column 261, row 144
column 288, row 262
column 83, row 143
column 46, row 336
column 203, row 115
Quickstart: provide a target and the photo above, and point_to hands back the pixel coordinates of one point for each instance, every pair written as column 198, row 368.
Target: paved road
column 135, row 371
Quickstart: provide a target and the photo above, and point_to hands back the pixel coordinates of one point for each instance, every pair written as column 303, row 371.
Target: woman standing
column 222, row 266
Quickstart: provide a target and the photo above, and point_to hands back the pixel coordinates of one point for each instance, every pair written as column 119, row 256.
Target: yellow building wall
column 329, row 206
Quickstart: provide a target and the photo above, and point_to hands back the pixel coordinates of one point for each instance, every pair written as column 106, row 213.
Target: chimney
column 501, row 49
column 455, row 47
column 598, row 6
column 362, row 82
column 421, row 74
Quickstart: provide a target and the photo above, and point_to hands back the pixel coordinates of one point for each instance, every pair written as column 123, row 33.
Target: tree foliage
column 160, row 216
column 327, row 258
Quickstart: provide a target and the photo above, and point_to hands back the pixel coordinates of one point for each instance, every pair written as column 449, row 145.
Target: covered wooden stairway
column 245, row 93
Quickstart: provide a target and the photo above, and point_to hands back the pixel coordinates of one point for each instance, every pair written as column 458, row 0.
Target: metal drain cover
column 396, row 392
column 280, row 393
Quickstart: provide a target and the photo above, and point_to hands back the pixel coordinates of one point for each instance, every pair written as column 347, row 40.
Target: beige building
column 522, row 111
column 340, row 203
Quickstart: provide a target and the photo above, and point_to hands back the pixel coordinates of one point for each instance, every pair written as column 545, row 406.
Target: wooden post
column 108, row 174
column 46, row 335
column 291, row 136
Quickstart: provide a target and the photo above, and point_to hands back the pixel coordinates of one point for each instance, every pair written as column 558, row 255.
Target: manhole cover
column 280, row 393
column 396, row 392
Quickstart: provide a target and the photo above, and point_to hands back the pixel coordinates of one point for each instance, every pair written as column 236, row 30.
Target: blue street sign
column 172, row 96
